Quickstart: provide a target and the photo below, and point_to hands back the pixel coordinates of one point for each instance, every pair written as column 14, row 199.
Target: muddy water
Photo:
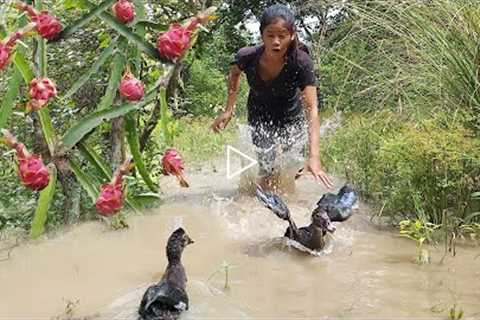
column 364, row 271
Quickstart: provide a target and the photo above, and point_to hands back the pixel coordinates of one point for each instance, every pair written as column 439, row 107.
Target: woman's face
column 277, row 37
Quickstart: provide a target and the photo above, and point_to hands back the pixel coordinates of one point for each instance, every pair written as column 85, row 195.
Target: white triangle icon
column 251, row 162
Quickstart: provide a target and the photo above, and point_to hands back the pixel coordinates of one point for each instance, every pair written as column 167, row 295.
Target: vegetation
column 409, row 168
column 59, row 135
column 406, row 75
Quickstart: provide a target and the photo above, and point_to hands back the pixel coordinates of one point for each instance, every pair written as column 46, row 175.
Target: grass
column 195, row 140
column 199, row 143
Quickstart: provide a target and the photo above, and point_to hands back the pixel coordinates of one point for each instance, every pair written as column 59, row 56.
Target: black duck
column 330, row 208
column 168, row 298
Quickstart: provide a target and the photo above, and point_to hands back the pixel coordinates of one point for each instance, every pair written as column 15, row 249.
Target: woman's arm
column 309, row 96
column 233, row 84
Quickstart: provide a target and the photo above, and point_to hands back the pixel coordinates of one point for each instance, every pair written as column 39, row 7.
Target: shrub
column 409, row 168
column 206, row 89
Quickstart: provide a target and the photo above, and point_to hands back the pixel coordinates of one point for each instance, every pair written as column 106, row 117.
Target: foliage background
column 404, row 75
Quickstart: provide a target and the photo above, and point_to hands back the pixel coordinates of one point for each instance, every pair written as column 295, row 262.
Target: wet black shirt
column 276, row 102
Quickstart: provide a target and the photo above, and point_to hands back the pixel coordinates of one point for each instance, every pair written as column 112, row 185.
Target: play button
column 231, row 152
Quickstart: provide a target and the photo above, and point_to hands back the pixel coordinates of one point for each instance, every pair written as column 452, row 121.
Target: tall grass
column 420, row 60
column 444, row 38
column 411, row 56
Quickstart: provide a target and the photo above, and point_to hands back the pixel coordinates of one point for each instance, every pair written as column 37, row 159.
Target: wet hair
column 272, row 13
column 280, row 11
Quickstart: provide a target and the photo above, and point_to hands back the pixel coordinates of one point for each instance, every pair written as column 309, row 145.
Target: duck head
column 177, row 241
column 320, row 219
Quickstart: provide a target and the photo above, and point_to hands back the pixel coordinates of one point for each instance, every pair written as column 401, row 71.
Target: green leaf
column 139, row 14
column 118, row 64
column 22, row 65
column 95, row 10
column 41, row 56
column 149, row 195
column 69, row 4
column 47, row 129
column 104, row 38
column 78, row 130
column 146, row 198
column 93, row 70
column 131, row 36
column 160, row 27
column 10, row 96
column 132, row 138
column 133, row 204
column 95, row 160
column 165, row 117
column 468, row 219
column 44, row 201
column 141, row 32
column 74, row 4
column 85, row 180
column 144, row 46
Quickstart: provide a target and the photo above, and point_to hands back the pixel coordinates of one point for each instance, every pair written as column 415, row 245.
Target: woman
column 282, row 83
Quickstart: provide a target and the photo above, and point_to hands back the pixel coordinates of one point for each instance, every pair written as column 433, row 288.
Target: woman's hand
column 313, row 166
column 222, row 120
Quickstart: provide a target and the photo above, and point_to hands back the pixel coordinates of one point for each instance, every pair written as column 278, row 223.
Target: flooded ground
column 365, row 272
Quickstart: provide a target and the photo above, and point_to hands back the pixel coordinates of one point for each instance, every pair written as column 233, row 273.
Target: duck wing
column 338, row 206
column 274, row 203
column 162, row 297
column 347, row 196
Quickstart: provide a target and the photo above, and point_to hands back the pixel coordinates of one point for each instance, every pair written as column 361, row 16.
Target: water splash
column 282, row 158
